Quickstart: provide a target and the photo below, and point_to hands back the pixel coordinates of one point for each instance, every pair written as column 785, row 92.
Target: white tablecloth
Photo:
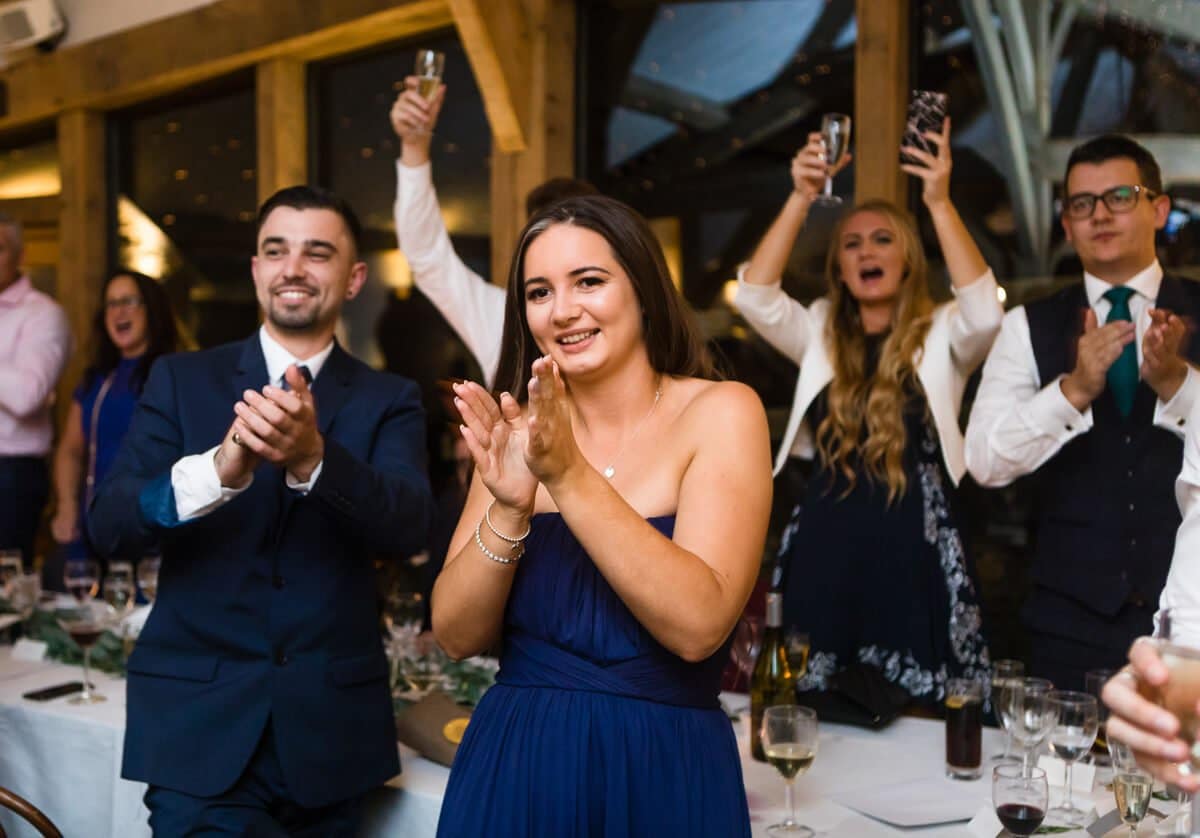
column 66, row 759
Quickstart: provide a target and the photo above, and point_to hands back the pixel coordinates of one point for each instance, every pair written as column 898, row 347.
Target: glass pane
column 186, row 208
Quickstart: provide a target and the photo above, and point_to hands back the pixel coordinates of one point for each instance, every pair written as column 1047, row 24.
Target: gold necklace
column 610, row 469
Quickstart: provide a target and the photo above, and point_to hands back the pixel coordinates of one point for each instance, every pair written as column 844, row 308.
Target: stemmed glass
column 1029, row 715
column 835, row 137
column 428, row 69
column 1132, row 790
column 118, row 589
column 1077, row 719
column 87, row 622
column 10, row 567
column 747, row 641
column 1004, row 673
column 789, row 739
column 1020, row 797
column 147, row 576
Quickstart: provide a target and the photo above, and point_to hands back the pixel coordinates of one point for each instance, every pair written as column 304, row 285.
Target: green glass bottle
column 772, row 683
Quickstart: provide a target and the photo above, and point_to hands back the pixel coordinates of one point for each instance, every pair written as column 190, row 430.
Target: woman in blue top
column 134, row 325
column 610, row 539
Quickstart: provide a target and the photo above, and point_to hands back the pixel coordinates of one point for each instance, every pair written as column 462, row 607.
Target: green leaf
column 1054, row 830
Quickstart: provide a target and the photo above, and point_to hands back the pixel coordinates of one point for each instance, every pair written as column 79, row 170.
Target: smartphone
column 57, row 691
column 926, row 112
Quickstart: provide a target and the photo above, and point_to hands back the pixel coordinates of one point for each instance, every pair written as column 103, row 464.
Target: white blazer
column 958, row 340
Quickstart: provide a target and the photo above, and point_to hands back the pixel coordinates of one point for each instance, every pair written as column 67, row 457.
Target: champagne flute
column 428, row 69
column 1077, row 719
column 1004, row 673
column 1132, row 790
column 1020, row 797
column 835, row 137
column 789, row 739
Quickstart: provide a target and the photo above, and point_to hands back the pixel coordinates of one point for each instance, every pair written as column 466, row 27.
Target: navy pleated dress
column 593, row 729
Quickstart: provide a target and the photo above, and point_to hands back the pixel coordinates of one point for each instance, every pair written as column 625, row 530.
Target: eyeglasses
column 1119, row 199
column 123, row 303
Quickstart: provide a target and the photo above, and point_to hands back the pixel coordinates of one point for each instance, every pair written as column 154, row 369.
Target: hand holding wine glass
column 789, row 739
column 835, row 137
column 809, row 170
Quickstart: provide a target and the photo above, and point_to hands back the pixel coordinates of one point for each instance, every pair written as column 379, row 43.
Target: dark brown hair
column 673, row 342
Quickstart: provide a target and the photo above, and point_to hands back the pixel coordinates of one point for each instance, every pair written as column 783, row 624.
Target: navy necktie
column 1123, row 374
column 303, row 371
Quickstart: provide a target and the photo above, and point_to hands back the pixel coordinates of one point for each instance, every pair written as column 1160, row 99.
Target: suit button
column 1131, row 507
column 277, row 582
column 1133, row 542
column 1129, row 473
column 281, row 659
column 1128, row 439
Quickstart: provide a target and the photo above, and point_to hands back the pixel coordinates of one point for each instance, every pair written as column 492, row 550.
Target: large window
column 186, row 204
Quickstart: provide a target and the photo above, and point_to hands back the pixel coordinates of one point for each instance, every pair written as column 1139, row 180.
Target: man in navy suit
column 257, row 697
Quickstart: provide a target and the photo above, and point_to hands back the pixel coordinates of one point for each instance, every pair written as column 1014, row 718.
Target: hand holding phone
column 926, row 112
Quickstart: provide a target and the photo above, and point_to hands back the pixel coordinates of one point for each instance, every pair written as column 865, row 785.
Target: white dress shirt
column 1018, row 422
column 1182, row 591
column 198, row 490
column 472, row 306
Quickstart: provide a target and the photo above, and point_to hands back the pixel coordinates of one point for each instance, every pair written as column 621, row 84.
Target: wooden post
column 550, row 132
column 83, row 234
column 281, row 122
column 881, row 93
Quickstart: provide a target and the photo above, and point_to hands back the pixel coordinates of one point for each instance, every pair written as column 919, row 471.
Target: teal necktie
column 1123, row 374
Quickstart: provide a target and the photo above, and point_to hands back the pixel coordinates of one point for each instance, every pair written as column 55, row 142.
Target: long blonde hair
column 873, row 407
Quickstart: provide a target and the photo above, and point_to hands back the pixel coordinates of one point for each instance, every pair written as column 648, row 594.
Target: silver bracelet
column 487, row 516
column 493, row 556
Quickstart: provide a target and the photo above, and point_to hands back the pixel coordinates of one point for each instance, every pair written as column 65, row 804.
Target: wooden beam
column 881, row 93
column 83, row 233
column 551, row 128
column 496, row 37
column 281, row 124
column 205, row 43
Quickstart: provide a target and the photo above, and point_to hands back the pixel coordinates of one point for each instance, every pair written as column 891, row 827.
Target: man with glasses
column 35, row 343
column 1089, row 391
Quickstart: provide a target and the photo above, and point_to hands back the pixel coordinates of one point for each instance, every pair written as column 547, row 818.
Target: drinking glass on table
column 10, row 568
column 1029, row 715
column 88, row 621
column 1004, row 673
column 1093, row 683
column 118, row 588
column 1077, row 718
column 147, row 576
column 1132, row 789
column 428, row 69
column 789, row 739
column 835, row 137
column 964, row 729
column 1020, row 796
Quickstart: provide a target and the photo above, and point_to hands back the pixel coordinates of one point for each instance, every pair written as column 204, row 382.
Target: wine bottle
column 772, row 683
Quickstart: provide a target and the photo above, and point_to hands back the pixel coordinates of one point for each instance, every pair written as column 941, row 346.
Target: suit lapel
column 251, row 373
column 332, row 387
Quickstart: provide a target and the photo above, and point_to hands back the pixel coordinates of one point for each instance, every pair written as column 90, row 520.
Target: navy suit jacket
column 266, row 609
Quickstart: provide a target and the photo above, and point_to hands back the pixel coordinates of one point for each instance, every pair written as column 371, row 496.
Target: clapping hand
column 413, row 116
column 932, row 169
column 280, row 426
column 496, row 435
column 1163, row 368
column 809, row 169
column 1098, row 348
column 552, row 450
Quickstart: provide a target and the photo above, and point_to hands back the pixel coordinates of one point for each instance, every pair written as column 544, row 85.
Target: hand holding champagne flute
column 428, row 69
column 835, row 136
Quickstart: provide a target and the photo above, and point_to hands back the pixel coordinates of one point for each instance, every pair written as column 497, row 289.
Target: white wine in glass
column 789, row 741
column 835, row 136
column 1132, row 792
column 428, row 69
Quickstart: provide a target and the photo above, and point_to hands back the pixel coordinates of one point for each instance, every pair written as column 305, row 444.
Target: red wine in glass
column 1020, row 818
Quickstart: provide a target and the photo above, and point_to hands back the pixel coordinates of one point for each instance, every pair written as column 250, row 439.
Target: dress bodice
column 566, row 627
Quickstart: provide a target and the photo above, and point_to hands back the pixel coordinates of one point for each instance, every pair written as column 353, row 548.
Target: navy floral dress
column 885, row 584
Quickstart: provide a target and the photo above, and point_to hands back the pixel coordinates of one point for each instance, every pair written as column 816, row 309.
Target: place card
column 1082, row 775
column 985, row 824
column 28, row 650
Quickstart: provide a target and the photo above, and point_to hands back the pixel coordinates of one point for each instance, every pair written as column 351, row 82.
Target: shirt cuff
column 981, row 292
column 1172, row 416
column 198, row 490
column 305, row 487
column 1055, row 416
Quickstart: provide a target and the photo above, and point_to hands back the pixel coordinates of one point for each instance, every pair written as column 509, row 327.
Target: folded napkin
column 433, row 726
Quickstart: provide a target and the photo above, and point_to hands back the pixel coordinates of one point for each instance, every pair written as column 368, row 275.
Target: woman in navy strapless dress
column 609, row 542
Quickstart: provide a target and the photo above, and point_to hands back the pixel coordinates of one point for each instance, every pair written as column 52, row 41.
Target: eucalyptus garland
column 108, row 655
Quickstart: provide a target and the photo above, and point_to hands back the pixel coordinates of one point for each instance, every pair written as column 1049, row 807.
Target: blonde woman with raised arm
column 875, row 566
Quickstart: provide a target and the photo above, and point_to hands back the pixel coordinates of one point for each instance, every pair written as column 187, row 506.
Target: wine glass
column 87, row 622
column 1093, row 683
column 1179, row 696
column 1004, row 673
column 789, row 739
column 835, row 137
column 118, row 587
column 747, row 642
column 1029, row 714
column 1077, row 719
column 1132, row 790
column 1020, row 796
column 10, row 567
column 147, row 576
column 428, row 69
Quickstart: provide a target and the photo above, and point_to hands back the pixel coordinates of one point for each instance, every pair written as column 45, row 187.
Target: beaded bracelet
column 487, row 516
column 493, row 556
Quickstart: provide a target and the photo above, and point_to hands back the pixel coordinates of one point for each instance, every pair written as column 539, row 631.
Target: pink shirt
column 35, row 342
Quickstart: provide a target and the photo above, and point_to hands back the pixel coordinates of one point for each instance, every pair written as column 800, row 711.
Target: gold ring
column 237, row 439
